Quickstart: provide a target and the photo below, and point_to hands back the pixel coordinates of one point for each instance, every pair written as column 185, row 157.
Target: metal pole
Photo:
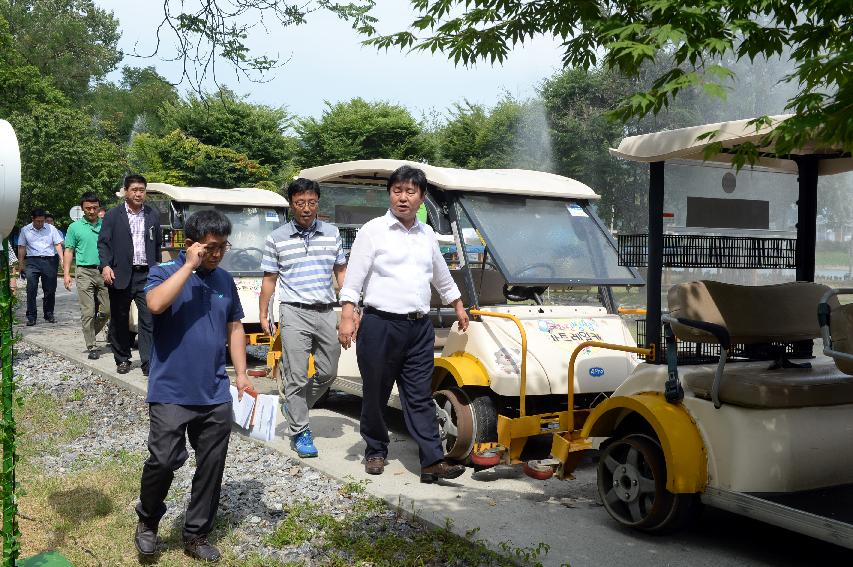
column 11, row 534
column 806, row 218
column 655, row 264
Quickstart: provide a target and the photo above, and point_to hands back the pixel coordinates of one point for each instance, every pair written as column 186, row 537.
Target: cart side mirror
column 10, row 178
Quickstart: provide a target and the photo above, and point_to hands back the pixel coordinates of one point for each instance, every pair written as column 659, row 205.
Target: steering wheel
column 240, row 260
column 522, row 292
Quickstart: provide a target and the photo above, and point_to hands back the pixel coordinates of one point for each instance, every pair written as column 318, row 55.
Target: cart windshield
column 546, row 241
column 249, row 228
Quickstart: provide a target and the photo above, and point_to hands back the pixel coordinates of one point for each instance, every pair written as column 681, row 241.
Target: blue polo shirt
column 188, row 355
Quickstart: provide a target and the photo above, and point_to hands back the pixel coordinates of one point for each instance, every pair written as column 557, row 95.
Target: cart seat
column 841, row 326
column 752, row 314
column 488, row 283
column 751, row 384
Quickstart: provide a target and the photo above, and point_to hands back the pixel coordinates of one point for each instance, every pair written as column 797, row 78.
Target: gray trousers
column 305, row 332
column 92, row 294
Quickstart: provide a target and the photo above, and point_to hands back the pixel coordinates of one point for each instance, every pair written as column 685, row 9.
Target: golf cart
column 253, row 213
column 536, row 265
column 732, row 408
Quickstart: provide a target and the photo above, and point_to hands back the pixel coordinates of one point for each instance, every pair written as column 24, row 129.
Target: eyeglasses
column 305, row 204
column 410, row 191
column 213, row 249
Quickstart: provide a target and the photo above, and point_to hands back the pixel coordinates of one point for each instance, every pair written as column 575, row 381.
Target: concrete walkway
column 502, row 504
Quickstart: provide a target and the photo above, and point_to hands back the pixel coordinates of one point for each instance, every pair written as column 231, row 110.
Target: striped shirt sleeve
column 270, row 261
column 341, row 258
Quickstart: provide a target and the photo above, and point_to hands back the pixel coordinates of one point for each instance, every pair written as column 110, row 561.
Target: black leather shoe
column 30, row 323
column 145, row 369
column 146, row 540
column 123, row 367
column 93, row 354
column 441, row 470
column 50, row 319
column 199, row 548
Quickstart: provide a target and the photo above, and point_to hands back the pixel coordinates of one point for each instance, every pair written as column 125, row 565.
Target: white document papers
column 241, row 410
column 257, row 414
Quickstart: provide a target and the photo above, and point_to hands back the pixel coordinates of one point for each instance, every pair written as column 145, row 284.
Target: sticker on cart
column 596, row 372
column 576, row 210
column 272, row 216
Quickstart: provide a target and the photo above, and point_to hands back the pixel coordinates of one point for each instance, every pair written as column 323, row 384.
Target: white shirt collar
column 392, row 220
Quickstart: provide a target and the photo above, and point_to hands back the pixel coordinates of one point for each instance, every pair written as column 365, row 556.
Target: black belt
column 413, row 316
column 92, row 266
column 140, row 268
column 54, row 256
column 311, row 306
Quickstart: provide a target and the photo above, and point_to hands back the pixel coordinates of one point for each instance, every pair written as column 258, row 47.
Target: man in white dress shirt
column 393, row 261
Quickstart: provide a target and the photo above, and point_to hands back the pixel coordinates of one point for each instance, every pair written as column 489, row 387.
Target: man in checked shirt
column 128, row 245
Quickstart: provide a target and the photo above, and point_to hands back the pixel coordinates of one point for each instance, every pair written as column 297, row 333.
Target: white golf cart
column 536, row 265
column 732, row 409
column 253, row 213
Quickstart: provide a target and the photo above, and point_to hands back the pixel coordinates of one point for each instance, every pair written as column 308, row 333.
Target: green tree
column 362, row 130
column 512, row 134
column 183, row 160
column 61, row 154
column 132, row 105
column 71, row 41
column 697, row 37
column 223, row 119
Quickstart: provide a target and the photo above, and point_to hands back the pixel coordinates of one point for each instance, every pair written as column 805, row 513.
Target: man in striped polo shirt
column 302, row 255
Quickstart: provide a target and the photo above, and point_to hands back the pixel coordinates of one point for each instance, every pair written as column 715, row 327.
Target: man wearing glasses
column 197, row 312
column 302, row 256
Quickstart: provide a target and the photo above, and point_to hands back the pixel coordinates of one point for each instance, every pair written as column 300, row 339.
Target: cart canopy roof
column 682, row 144
column 246, row 196
column 505, row 181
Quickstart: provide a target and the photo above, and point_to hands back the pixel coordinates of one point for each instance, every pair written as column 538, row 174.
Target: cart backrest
column 488, row 283
column 841, row 327
column 752, row 314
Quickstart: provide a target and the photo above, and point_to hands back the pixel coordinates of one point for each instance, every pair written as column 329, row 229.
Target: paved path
column 503, row 503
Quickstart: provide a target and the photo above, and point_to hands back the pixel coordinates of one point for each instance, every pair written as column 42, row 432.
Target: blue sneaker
column 303, row 444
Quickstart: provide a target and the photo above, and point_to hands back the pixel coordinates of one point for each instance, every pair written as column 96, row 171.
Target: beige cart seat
column 759, row 314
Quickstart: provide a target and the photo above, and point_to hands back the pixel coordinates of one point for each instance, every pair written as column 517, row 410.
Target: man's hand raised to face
column 195, row 254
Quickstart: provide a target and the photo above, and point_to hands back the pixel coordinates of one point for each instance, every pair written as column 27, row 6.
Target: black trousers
column 208, row 429
column 401, row 351
column 44, row 268
column 120, row 319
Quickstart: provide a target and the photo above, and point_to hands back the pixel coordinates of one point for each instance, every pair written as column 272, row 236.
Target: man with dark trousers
column 128, row 247
column 393, row 261
column 197, row 312
column 39, row 255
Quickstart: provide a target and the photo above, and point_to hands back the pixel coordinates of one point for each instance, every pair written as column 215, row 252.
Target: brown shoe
column 441, row 470
column 374, row 465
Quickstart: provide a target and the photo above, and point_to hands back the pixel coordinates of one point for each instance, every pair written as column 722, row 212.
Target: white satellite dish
column 75, row 212
column 10, row 178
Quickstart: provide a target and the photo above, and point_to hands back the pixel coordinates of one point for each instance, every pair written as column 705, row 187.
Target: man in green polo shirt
column 81, row 242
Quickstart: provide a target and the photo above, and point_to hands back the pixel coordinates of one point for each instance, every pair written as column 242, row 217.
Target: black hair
column 49, row 216
column 38, row 212
column 407, row 173
column 204, row 222
column 90, row 197
column 102, row 208
column 134, row 178
column 302, row 185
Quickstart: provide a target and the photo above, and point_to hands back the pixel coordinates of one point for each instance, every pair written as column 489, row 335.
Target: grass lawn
column 86, row 512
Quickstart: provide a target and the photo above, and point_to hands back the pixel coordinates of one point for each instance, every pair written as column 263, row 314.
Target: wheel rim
column 630, row 482
column 455, row 423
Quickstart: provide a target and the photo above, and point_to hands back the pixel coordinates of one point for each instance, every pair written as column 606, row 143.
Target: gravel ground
column 258, row 481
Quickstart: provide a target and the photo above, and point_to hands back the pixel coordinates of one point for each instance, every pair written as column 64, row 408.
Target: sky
column 328, row 63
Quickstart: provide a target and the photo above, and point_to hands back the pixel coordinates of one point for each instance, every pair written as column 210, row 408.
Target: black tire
column 632, row 486
column 485, row 417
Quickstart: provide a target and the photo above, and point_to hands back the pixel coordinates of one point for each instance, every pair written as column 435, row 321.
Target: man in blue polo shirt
column 196, row 312
column 39, row 254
